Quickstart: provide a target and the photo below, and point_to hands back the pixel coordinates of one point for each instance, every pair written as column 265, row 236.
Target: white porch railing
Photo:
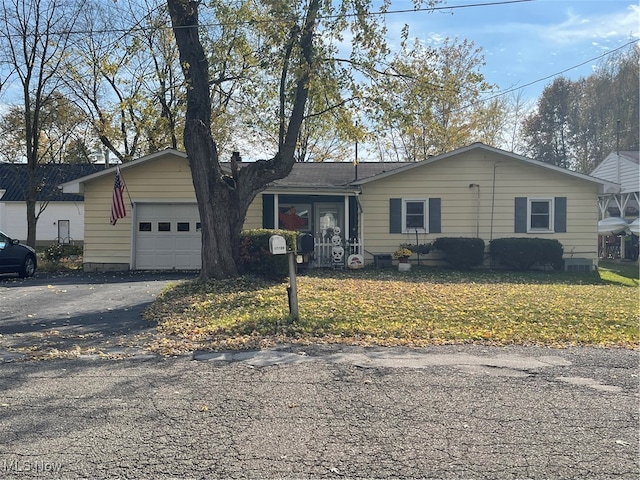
column 329, row 254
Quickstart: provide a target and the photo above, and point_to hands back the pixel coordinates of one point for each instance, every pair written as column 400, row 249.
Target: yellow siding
column 168, row 179
column 449, row 179
column 163, row 179
column 253, row 219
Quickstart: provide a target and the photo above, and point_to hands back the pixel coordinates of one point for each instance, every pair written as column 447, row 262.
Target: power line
column 513, row 89
column 137, row 28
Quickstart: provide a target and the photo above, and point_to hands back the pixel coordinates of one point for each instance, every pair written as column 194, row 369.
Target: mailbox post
column 278, row 246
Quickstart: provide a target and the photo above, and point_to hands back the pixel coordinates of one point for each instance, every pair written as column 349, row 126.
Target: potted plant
column 402, row 254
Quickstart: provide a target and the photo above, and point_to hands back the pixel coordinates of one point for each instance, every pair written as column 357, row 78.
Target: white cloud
column 577, row 28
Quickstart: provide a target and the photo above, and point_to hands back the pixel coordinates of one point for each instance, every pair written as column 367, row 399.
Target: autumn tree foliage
column 576, row 124
column 124, row 74
column 297, row 44
column 428, row 101
column 34, row 36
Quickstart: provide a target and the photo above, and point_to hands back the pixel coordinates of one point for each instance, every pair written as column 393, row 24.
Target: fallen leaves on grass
column 384, row 308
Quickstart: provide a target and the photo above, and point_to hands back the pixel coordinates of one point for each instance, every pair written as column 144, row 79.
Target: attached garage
column 161, row 228
column 167, row 236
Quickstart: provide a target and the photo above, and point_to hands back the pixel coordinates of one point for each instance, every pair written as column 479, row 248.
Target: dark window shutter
column 268, row 205
column 560, row 215
column 521, row 215
column 434, row 216
column 395, row 215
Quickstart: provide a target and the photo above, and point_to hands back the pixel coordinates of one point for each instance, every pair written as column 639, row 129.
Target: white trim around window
column 415, row 215
column 540, row 215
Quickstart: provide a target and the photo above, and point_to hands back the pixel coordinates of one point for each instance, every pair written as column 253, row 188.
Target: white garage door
column 167, row 237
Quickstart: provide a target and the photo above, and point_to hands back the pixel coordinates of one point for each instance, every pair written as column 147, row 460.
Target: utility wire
column 138, row 28
column 513, row 89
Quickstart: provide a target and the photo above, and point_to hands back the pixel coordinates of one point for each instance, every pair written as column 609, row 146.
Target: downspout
column 618, row 152
column 360, row 224
column 347, row 229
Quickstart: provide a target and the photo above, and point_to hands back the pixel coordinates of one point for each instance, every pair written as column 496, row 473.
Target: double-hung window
column 414, row 215
column 540, row 215
column 408, row 215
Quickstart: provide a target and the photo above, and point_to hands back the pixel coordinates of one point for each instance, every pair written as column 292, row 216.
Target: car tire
column 28, row 266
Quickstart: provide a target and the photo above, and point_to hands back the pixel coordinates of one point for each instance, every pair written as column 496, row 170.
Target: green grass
column 622, row 273
column 385, row 307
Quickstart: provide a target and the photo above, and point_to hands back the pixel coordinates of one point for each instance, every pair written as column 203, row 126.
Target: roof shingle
column 14, row 178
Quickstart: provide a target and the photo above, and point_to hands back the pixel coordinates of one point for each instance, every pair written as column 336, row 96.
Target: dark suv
column 16, row 257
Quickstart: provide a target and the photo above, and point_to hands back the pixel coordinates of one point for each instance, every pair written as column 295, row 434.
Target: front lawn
column 385, row 307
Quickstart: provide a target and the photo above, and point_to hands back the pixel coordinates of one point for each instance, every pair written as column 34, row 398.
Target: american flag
column 117, row 202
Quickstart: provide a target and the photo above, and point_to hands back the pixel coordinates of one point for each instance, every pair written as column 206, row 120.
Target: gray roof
column 14, row 178
column 332, row 174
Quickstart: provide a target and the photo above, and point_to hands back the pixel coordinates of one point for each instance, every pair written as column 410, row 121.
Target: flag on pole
column 117, row 201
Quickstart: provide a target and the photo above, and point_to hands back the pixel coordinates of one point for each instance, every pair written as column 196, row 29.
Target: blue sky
column 526, row 41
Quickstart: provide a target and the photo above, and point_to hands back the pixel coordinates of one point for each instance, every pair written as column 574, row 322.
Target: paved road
column 455, row 412
column 444, row 412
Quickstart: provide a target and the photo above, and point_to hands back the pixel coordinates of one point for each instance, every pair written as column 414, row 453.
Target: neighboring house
column 62, row 217
column 475, row 191
column 623, row 169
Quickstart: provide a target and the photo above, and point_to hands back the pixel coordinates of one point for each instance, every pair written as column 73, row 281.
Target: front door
column 328, row 217
column 64, row 231
column 329, row 233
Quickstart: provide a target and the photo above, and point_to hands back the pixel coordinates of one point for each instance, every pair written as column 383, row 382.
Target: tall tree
column 34, row 35
column 223, row 201
column 577, row 123
column 124, row 74
column 62, row 133
column 549, row 132
column 428, row 101
column 296, row 42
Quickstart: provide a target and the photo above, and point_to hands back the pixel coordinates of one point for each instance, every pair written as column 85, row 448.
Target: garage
column 167, row 236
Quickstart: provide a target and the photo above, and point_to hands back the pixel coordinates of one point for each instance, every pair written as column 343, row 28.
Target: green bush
column 57, row 251
column 255, row 257
column 461, row 252
column 525, row 253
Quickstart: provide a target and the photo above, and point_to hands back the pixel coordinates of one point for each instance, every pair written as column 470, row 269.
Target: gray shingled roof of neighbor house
column 14, row 178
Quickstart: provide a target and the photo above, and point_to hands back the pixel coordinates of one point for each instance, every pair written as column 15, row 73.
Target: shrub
column 524, row 253
column 255, row 257
column 57, row 251
column 461, row 252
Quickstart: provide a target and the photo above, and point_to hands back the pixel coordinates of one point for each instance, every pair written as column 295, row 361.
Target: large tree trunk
column 223, row 200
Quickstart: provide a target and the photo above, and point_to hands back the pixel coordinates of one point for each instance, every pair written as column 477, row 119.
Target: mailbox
column 277, row 245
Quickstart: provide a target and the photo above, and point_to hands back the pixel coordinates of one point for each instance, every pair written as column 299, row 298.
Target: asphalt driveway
column 79, row 311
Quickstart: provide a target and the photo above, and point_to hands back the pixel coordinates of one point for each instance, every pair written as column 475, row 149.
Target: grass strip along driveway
column 420, row 308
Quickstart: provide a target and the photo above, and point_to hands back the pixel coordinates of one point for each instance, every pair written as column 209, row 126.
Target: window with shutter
column 540, row 215
column 408, row 215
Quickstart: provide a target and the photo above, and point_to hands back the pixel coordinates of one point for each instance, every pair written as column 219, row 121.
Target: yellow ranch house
column 365, row 210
